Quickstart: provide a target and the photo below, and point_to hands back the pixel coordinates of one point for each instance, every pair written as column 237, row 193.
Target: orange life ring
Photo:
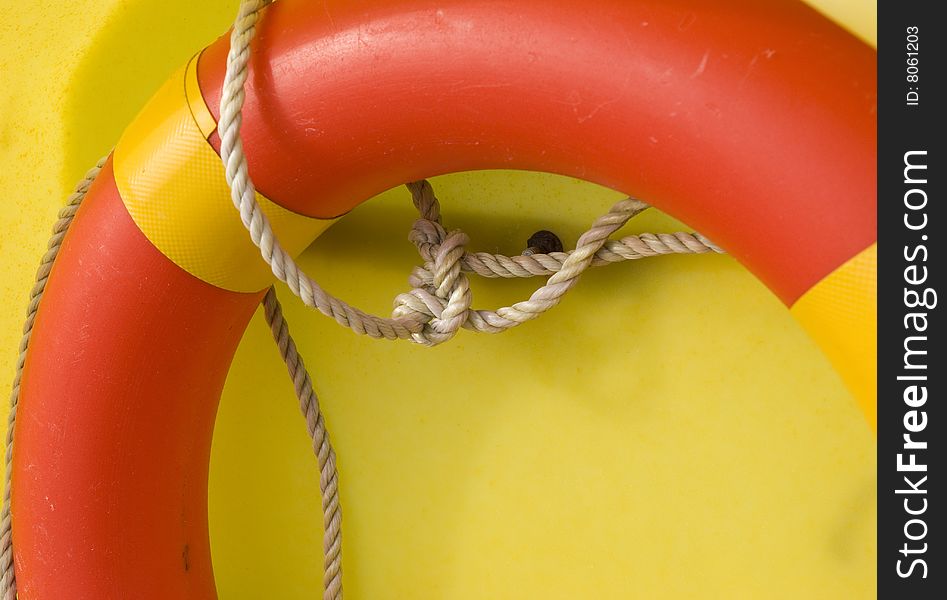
column 754, row 122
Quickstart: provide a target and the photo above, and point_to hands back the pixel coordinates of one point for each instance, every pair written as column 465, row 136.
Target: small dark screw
column 542, row 242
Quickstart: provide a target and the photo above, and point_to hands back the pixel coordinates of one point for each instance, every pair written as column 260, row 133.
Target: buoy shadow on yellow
column 667, row 432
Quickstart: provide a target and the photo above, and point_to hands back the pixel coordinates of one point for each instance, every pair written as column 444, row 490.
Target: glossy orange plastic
column 751, row 121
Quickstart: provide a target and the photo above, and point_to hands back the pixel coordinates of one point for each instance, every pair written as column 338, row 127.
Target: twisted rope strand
column 66, row 215
column 243, row 194
column 308, row 403
column 438, row 283
column 315, row 425
column 441, row 299
column 431, row 313
column 632, row 247
column 440, row 303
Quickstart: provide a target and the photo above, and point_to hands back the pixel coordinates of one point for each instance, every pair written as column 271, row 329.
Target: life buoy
column 753, row 122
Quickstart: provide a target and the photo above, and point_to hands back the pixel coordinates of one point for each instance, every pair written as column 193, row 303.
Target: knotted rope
column 440, row 303
column 308, row 404
column 440, row 298
column 433, row 311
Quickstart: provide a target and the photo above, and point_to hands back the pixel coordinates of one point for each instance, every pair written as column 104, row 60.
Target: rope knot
column 440, row 298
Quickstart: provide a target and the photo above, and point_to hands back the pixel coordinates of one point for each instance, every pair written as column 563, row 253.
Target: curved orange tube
column 753, row 122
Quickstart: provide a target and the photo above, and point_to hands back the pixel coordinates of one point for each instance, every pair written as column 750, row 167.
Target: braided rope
column 308, row 404
column 431, row 313
column 243, row 194
column 632, row 247
column 438, row 283
column 316, row 426
column 66, row 215
column 440, row 303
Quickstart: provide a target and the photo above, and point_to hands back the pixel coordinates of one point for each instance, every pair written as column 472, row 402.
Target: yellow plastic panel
column 683, row 439
column 841, row 314
column 172, row 183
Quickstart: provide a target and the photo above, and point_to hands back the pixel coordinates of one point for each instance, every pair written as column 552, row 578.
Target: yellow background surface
column 668, row 432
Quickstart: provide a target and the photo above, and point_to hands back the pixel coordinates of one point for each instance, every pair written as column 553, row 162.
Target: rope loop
column 432, row 312
column 440, row 302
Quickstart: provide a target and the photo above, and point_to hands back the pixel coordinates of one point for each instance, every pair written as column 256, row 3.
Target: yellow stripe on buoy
column 172, row 183
column 840, row 313
column 195, row 100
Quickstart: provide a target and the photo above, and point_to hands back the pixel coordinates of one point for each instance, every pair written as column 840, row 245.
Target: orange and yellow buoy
column 762, row 149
